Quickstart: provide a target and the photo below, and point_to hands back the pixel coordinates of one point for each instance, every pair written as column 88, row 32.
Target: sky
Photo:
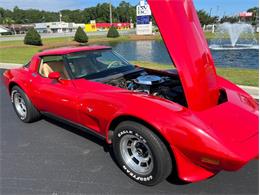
column 217, row 7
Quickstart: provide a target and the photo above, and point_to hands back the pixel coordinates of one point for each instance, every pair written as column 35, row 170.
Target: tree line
column 124, row 12
column 206, row 18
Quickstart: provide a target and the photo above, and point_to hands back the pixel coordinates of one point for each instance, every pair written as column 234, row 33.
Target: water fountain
column 234, row 37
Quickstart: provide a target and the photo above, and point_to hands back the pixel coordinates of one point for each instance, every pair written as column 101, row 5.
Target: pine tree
column 112, row 32
column 32, row 37
column 80, row 36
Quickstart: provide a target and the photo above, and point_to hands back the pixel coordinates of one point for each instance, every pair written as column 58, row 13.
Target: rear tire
column 23, row 107
column 141, row 154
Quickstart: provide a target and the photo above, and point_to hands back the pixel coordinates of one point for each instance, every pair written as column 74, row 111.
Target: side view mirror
column 54, row 75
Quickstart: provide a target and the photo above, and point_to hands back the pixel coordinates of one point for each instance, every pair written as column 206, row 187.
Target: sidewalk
column 253, row 91
column 9, row 65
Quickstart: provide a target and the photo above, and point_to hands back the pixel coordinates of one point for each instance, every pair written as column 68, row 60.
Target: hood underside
column 184, row 38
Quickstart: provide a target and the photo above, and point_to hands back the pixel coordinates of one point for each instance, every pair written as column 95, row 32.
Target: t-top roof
column 67, row 50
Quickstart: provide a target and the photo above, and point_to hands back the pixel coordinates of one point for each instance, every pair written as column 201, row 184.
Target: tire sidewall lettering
column 12, row 100
column 12, row 95
column 124, row 132
column 133, row 175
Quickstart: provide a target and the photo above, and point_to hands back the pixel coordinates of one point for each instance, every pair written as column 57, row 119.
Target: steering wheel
column 114, row 63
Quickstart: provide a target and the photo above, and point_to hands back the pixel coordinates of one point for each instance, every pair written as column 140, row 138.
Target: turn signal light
column 210, row 161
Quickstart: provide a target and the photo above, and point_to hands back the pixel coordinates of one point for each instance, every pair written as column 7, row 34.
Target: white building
column 57, row 27
column 3, row 29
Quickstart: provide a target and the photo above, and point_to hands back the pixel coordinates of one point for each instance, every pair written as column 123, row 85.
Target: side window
column 53, row 64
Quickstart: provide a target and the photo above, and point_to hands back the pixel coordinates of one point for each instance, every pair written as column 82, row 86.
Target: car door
column 57, row 97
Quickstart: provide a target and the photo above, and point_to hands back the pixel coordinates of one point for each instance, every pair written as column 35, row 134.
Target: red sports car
column 186, row 120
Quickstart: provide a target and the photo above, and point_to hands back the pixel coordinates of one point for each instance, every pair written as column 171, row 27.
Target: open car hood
column 183, row 36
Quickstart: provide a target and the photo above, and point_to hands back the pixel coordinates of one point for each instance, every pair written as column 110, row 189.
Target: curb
column 253, row 91
column 9, row 65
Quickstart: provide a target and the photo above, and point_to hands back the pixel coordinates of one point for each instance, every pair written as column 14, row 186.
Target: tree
column 205, row 18
column 89, row 14
column 121, row 13
column 103, row 12
column 112, row 32
column 73, row 16
column 255, row 17
column 8, row 21
column 125, row 11
column 231, row 19
column 80, row 36
column 32, row 37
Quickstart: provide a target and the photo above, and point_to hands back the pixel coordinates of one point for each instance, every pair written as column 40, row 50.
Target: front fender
column 178, row 130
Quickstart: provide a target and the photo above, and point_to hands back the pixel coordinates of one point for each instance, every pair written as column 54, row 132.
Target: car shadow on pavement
column 173, row 178
column 78, row 131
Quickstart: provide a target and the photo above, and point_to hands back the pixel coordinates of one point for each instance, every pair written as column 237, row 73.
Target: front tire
column 23, row 107
column 141, row 154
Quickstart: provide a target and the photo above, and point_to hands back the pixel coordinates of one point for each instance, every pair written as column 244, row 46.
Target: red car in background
column 186, row 120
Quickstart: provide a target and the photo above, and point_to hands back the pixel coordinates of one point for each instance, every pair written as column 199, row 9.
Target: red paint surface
column 180, row 28
column 226, row 133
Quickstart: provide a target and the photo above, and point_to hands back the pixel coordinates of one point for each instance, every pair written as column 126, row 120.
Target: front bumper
column 192, row 168
column 230, row 141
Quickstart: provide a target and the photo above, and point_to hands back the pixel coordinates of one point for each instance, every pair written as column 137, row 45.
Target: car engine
column 156, row 85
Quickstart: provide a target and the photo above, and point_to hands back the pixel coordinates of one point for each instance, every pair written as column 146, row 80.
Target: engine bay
column 152, row 83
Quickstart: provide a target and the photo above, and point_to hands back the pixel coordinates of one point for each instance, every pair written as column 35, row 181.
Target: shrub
column 6, row 33
column 112, row 32
column 32, row 37
column 80, row 36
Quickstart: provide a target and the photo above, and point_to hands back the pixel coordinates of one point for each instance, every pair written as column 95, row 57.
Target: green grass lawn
column 240, row 76
column 17, row 55
column 17, row 52
column 210, row 35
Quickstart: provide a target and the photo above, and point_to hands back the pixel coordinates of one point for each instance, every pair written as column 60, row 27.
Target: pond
column 155, row 51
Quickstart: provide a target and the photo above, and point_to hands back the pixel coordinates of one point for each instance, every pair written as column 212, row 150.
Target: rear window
column 52, row 59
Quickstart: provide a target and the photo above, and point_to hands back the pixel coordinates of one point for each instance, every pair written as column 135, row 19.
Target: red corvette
column 186, row 120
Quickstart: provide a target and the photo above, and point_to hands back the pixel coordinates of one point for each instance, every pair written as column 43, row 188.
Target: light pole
column 60, row 23
column 110, row 10
column 60, row 16
column 217, row 10
column 218, row 14
column 210, row 12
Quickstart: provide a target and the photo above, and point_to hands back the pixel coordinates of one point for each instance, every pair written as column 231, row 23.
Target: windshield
column 97, row 64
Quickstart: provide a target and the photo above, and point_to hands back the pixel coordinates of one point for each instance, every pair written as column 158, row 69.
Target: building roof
column 67, row 50
column 19, row 26
column 3, row 29
column 57, row 25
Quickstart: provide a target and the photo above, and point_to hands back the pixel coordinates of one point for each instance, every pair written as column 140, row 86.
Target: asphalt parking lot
column 48, row 157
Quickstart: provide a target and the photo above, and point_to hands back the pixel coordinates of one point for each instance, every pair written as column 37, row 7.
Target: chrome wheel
column 20, row 105
column 136, row 154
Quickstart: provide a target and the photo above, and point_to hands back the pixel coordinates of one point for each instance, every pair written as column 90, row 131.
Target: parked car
column 187, row 120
